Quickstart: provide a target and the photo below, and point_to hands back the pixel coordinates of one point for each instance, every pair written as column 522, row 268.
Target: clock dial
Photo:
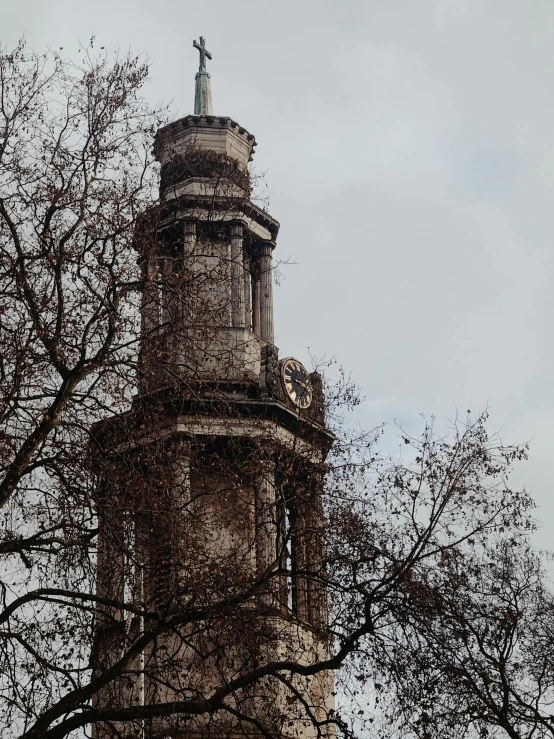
column 296, row 382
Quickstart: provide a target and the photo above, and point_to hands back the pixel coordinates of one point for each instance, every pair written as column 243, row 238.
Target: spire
column 203, row 92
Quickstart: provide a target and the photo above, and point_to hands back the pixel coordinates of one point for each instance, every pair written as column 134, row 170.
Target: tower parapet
column 205, row 155
column 220, row 134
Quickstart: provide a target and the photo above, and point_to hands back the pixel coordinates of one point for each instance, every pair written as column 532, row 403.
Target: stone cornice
column 196, row 206
column 242, row 417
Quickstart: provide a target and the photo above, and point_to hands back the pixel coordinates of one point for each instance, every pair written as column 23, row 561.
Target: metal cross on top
column 203, row 52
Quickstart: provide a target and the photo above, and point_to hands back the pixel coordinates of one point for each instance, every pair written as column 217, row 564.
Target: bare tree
column 202, row 575
column 476, row 659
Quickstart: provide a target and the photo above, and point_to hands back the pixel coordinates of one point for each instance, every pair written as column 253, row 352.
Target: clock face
column 296, row 381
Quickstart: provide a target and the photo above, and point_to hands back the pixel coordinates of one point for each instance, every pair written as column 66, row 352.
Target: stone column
column 189, row 237
column 189, row 245
column 150, row 320
column 247, row 292
column 177, row 518
column 265, row 525
column 266, row 292
column 315, row 553
column 282, row 548
column 109, row 637
column 299, row 559
column 135, row 687
column 169, row 558
column 256, row 289
column 111, row 557
column 167, row 294
column 168, row 524
column 150, row 302
column 181, row 484
column 237, row 276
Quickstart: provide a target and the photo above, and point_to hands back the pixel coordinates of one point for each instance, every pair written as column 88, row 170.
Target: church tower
column 209, row 501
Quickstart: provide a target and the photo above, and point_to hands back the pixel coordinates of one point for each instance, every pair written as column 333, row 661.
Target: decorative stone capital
column 237, row 229
column 266, row 249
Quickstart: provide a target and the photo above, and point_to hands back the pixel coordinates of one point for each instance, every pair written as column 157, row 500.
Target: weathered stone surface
column 219, row 134
column 214, row 459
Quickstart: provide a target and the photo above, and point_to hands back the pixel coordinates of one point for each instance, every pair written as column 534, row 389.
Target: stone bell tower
column 209, row 495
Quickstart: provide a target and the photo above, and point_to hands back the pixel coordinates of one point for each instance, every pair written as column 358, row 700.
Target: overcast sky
column 408, row 147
